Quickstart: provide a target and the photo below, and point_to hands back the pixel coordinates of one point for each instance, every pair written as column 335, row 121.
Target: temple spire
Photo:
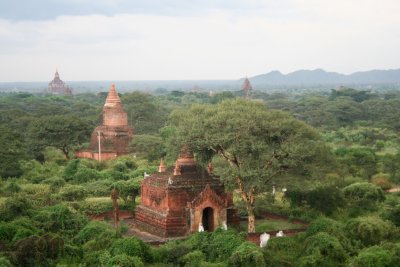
column 162, row 167
column 246, row 87
column 112, row 97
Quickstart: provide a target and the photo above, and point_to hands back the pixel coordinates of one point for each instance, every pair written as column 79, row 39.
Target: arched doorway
column 208, row 219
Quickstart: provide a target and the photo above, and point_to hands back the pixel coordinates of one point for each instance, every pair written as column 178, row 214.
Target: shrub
column 4, row 262
column 281, row 251
column 222, row 244
column 194, row 259
column 324, row 248
column 73, row 192
column 123, row 260
column 381, row 180
column 55, row 183
column 92, row 230
column 363, row 191
column 96, row 206
column 373, row 257
column 100, row 188
column 17, row 205
column 247, row 254
column 84, row 175
column 325, row 199
column 59, row 217
column 132, row 247
column 370, row 230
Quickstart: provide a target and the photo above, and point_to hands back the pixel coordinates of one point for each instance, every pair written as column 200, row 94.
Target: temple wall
column 115, row 119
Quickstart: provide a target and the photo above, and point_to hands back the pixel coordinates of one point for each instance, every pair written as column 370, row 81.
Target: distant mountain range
column 321, row 77
column 273, row 81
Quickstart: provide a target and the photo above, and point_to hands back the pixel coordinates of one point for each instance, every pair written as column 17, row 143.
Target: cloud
column 218, row 42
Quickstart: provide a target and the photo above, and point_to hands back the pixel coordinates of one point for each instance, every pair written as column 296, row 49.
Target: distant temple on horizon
column 58, row 87
column 110, row 139
column 246, row 87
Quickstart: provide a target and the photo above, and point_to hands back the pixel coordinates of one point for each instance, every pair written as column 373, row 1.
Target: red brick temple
column 111, row 139
column 58, row 87
column 176, row 200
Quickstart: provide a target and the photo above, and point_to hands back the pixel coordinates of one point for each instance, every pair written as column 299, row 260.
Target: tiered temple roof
column 176, row 200
column 58, row 87
column 112, row 137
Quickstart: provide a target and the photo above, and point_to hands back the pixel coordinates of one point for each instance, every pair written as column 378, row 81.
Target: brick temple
column 112, row 137
column 58, row 87
column 177, row 200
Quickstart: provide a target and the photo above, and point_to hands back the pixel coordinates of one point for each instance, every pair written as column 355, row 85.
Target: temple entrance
column 208, row 219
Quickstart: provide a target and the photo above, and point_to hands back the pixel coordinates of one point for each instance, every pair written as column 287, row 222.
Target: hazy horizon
column 136, row 40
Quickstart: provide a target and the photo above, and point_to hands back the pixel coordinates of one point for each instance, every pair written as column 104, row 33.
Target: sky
column 193, row 39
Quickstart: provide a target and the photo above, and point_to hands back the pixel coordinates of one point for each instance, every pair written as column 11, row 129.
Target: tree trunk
column 248, row 198
column 251, row 227
column 65, row 152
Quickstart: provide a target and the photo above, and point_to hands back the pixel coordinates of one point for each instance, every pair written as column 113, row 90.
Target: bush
column 373, row 257
column 247, row 254
column 59, row 217
column 381, row 180
column 325, row 199
column 55, row 183
column 84, row 175
column 222, row 244
column 95, row 206
column 17, row 205
column 370, row 230
column 73, row 192
column 132, row 246
column 363, row 192
column 123, row 260
column 194, row 259
column 323, row 248
column 92, row 230
column 283, row 251
column 100, row 188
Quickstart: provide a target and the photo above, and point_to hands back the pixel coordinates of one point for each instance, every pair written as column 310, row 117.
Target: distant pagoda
column 246, row 87
column 58, row 87
column 112, row 137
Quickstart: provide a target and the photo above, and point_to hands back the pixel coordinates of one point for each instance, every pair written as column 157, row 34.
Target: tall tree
column 60, row 131
column 258, row 146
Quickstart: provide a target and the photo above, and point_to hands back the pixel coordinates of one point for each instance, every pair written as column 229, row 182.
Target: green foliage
column 326, row 198
column 5, row 262
column 374, row 256
column 247, row 254
column 92, row 230
column 283, row 251
column 73, row 192
column 36, row 250
column 360, row 162
column 150, row 147
column 370, row 230
column 95, row 206
column 59, row 131
column 323, row 249
column 17, row 205
column 123, row 260
column 84, row 175
column 59, row 217
column 194, row 259
column 362, row 197
column 132, row 246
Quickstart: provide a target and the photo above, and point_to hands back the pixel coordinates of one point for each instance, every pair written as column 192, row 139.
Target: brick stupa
column 58, row 87
column 246, row 87
column 114, row 134
column 178, row 201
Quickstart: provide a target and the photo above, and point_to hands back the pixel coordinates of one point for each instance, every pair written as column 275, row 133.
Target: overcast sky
column 194, row 39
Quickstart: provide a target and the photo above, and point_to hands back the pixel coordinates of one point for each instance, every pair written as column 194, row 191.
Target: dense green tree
column 62, row 132
column 257, row 145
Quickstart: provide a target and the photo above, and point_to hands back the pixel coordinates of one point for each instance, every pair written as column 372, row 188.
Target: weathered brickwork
column 115, row 134
column 174, row 203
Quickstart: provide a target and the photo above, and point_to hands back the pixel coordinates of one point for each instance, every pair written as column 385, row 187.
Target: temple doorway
column 208, row 219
